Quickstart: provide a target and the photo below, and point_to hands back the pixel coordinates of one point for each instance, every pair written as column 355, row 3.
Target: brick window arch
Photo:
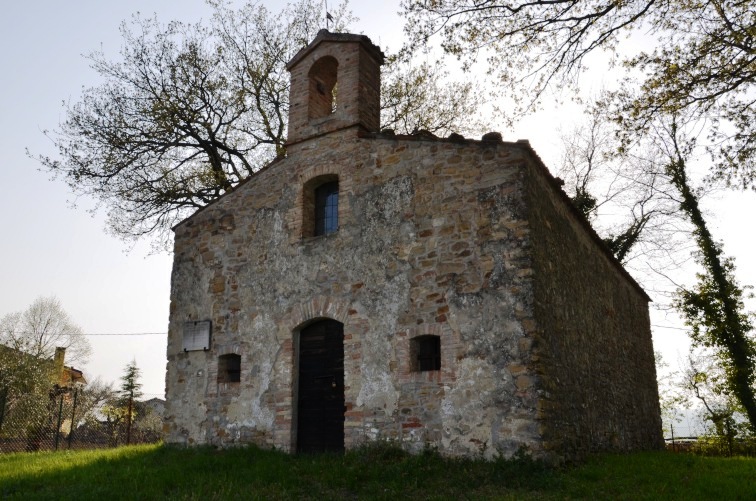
column 320, row 208
column 323, row 86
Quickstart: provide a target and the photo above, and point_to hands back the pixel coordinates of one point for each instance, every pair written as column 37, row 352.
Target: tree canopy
column 28, row 342
column 714, row 307
column 652, row 185
column 703, row 58
column 190, row 110
column 627, row 198
column 131, row 388
column 42, row 328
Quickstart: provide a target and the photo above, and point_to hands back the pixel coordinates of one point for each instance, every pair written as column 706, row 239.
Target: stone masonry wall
column 594, row 351
column 433, row 239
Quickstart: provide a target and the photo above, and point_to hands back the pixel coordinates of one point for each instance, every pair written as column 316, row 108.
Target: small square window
column 229, row 368
column 425, row 353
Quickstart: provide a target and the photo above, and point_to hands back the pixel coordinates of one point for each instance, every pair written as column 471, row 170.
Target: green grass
column 158, row 472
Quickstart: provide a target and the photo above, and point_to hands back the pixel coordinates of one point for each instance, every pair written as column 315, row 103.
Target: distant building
column 31, row 390
column 156, row 406
column 430, row 292
column 66, row 377
column 15, row 365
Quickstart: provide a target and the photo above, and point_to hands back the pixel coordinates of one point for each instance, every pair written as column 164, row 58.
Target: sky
column 51, row 248
column 52, row 243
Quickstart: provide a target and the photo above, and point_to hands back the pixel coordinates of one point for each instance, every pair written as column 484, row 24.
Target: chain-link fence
column 65, row 419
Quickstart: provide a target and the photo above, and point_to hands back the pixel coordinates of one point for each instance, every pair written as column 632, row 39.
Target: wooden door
column 320, row 412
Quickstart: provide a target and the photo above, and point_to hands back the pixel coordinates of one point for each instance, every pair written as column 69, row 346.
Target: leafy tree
column 119, row 408
column 28, row 377
column 704, row 379
column 115, row 416
column 25, row 384
column 21, row 375
column 659, row 187
column 191, row 110
column 703, row 62
column 42, row 328
column 671, row 399
column 90, row 399
column 417, row 97
column 149, row 423
column 713, row 307
column 130, row 392
column 627, row 198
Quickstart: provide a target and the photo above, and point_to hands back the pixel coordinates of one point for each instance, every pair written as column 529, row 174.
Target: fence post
column 3, row 398
column 672, row 427
column 73, row 417
column 57, row 427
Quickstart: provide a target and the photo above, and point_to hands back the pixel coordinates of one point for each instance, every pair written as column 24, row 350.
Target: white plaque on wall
column 197, row 335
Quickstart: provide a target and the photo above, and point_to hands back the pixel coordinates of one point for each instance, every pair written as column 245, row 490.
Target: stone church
column 430, row 292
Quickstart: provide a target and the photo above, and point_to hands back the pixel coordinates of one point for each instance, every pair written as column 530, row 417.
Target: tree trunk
column 128, row 420
column 733, row 337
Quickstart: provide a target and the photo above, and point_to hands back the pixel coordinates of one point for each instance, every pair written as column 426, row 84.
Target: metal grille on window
column 327, row 208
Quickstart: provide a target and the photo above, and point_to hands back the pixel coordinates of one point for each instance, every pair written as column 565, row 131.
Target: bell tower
column 335, row 84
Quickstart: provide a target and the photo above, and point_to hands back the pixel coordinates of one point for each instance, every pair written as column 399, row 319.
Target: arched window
column 425, row 353
column 320, row 207
column 323, row 85
column 327, row 208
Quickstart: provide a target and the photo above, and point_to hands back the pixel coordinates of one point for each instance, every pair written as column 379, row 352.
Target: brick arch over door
column 318, row 307
column 355, row 325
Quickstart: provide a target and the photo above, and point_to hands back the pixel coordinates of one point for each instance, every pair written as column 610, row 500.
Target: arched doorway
column 320, row 401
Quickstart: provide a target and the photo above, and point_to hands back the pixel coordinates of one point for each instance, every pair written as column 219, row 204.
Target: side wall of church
column 594, row 351
column 433, row 239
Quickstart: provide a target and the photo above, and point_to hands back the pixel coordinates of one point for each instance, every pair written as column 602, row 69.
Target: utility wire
column 165, row 333
column 110, row 333
column 127, row 334
column 670, row 327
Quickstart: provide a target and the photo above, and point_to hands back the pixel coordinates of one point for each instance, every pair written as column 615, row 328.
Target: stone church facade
column 430, row 292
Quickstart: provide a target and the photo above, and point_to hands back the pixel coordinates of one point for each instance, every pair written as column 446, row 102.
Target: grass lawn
column 158, row 472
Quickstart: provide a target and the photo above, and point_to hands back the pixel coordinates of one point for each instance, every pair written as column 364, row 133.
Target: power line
column 670, row 327
column 127, row 334
column 165, row 333
column 109, row 333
